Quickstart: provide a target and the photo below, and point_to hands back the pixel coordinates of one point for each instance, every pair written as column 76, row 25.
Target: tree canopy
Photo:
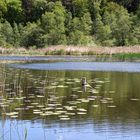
column 40, row 23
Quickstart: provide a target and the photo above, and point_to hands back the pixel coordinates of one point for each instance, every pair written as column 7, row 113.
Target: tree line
column 40, row 23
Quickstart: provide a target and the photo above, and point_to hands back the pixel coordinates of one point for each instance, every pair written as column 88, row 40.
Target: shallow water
column 90, row 66
column 106, row 109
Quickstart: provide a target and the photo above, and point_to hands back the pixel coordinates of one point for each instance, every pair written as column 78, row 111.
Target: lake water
column 46, row 101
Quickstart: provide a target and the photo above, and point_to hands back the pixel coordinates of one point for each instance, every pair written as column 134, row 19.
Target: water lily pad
column 51, row 87
column 85, row 100
column 30, row 106
column 61, row 111
column 31, row 97
column 69, row 83
column 12, row 113
column 74, row 102
column 100, row 82
column 40, row 106
column 112, row 106
column 54, row 83
column 48, row 108
column 34, row 103
column 109, row 99
column 14, row 116
column 81, row 109
column 43, row 114
column 81, row 113
column 49, row 112
column 36, row 110
column 4, row 105
column 77, row 81
column 95, row 106
column 134, row 99
column 59, row 108
column 39, row 112
column 104, row 101
column 69, row 108
column 95, row 91
column 64, row 119
column 40, row 96
column 91, row 99
column 63, row 116
column 70, row 113
column 56, row 113
column 76, row 88
column 62, row 86
column 51, row 105
column 111, row 91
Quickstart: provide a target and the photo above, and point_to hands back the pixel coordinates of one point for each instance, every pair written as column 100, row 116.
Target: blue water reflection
column 92, row 66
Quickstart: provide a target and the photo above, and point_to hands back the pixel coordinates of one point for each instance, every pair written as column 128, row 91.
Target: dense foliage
column 40, row 23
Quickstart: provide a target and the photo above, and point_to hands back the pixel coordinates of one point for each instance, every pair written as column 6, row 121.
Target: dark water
column 53, row 105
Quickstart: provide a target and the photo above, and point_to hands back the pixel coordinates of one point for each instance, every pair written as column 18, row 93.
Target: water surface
column 36, row 98
column 90, row 66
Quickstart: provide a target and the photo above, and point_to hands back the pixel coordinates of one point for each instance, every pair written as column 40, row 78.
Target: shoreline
column 123, row 53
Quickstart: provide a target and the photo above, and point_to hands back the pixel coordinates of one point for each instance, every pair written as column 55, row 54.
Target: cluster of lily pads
column 44, row 96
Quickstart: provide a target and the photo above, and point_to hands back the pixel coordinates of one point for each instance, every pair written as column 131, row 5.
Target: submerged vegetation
column 27, row 95
column 32, row 100
column 41, row 23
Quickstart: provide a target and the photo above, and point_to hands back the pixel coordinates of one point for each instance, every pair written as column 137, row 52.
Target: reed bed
column 72, row 50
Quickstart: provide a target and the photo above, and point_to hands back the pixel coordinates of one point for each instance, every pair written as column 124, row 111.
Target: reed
column 72, row 50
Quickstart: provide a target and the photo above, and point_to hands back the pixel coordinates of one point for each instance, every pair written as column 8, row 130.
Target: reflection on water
column 53, row 105
column 92, row 66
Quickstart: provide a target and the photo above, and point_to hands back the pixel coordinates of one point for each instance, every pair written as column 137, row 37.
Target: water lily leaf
column 81, row 113
column 112, row 106
column 111, row 91
column 40, row 96
column 134, row 99
column 14, row 116
column 62, row 86
column 85, row 100
column 12, row 113
column 81, row 109
column 34, row 103
column 64, row 119
column 69, row 83
column 61, row 111
column 70, row 113
column 40, row 106
column 63, row 116
column 39, row 112
column 36, row 110
column 95, row 106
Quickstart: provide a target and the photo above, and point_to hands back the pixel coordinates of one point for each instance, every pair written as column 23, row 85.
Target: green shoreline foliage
column 41, row 23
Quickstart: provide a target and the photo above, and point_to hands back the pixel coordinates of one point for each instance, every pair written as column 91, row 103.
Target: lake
column 43, row 99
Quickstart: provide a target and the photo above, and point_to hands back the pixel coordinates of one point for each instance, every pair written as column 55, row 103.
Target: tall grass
column 72, row 50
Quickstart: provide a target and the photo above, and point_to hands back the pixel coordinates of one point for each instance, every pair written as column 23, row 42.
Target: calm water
column 39, row 103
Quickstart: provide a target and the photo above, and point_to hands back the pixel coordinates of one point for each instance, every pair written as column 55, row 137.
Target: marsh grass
column 129, row 56
column 125, row 51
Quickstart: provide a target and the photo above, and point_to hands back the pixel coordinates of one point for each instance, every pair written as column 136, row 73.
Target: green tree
column 80, row 30
column 14, row 11
column 38, row 8
column 17, row 35
column 121, row 24
column 3, row 8
column 131, row 5
column 53, row 23
column 32, row 36
column 6, row 34
column 80, row 7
